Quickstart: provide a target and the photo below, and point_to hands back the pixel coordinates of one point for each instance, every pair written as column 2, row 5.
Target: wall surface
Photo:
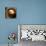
column 33, row 12
column 28, row 12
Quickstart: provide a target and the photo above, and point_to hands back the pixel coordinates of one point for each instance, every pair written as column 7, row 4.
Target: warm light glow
column 11, row 11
